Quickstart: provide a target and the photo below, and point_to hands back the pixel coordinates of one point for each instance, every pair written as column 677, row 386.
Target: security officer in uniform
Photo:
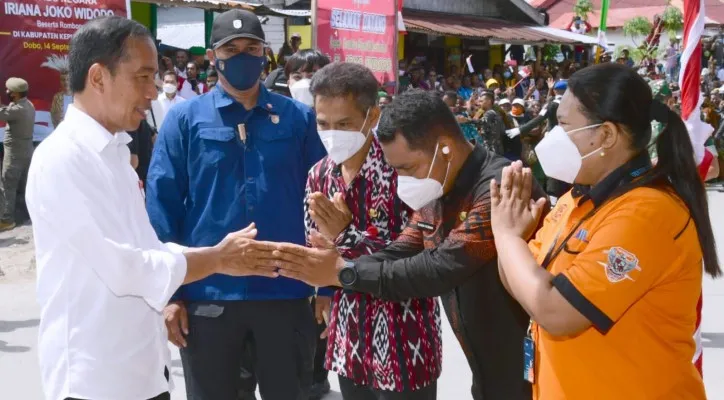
column 19, row 117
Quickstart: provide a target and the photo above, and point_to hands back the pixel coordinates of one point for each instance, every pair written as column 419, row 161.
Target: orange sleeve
column 548, row 229
column 626, row 256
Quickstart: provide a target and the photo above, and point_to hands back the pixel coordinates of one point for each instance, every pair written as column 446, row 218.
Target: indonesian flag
column 524, row 72
column 400, row 22
column 691, row 100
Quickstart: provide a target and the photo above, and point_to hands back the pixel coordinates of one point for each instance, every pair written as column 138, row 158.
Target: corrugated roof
column 508, row 32
column 228, row 4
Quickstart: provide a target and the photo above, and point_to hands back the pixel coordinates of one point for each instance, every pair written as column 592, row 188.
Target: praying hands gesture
column 331, row 217
column 513, row 212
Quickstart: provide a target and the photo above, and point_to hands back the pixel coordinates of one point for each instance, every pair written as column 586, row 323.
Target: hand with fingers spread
column 513, row 211
column 331, row 217
column 241, row 255
column 177, row 323
column 322, row 305
column 316, row 266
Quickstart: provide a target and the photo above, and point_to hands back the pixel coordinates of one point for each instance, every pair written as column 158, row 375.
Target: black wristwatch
column 348, row 274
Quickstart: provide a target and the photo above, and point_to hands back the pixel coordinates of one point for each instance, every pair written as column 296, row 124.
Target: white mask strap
column 365, row 122
column 433, row 161
column 585, row 127
column 591, row 153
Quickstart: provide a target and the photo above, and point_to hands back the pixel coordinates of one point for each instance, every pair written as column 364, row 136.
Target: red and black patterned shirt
column 385, row 345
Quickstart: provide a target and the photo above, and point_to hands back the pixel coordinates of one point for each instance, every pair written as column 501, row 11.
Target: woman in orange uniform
column 612, row 278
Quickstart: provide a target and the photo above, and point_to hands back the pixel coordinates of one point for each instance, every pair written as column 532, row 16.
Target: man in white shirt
column 192, row 87
column 103, row 275
column 167, row 99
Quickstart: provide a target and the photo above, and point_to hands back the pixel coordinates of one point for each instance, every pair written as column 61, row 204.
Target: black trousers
column 350, row 391
column 320, row 374
column 282, row 334
column 162, row 396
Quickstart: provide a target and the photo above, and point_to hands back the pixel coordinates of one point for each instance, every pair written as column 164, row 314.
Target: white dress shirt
column 160, row 108
column 188, row 93
column 103, row 275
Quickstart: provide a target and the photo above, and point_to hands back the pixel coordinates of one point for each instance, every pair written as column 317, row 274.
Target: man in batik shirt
column 380, row 349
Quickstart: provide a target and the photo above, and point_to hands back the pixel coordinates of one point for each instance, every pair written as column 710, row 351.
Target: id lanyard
column 553, row 252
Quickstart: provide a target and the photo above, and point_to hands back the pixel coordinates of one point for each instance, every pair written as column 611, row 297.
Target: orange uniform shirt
column 634, row 269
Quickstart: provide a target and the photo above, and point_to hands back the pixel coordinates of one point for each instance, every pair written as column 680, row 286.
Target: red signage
column 359, row 31
column 34, row 36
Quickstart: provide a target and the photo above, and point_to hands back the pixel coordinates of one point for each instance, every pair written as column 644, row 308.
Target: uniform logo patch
column 237, row 24
column 619, row 263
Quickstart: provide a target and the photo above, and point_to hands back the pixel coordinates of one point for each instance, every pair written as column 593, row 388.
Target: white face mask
column 558, row 155
column 415, row 192
column 169, row 88
column 341, row 145
column 300, row 92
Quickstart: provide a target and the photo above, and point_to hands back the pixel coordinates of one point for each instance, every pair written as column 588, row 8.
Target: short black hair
column 420, row 116
column 103, row 41
column 211, row 72
column 170, row 72
column 342, row 79
column 451, row 94
column 488, row 93
column 305, row 60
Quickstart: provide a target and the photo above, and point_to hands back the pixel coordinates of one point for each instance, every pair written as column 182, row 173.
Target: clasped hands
column 513, row 211
column 242, row 255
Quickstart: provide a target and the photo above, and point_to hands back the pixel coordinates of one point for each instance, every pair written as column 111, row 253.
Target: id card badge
column 529, row 359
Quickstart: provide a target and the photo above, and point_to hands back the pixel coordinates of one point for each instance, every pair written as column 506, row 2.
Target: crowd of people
column 276, row 222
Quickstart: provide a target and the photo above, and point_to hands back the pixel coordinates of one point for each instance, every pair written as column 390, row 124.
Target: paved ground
column 19, row 378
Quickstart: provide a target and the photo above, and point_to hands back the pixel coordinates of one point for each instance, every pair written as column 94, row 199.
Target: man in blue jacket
column 237, row 155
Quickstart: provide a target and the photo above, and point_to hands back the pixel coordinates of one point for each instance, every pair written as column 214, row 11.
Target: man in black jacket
column 446, row 250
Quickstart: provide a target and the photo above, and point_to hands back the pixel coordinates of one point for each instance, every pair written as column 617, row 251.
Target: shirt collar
column 469, row 173
column 223, row 99
column 91, row 132
column 599, row 193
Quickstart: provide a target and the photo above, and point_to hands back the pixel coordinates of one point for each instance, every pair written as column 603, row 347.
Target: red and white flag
column 691, row 100
column 524, row 72
column 400, row 22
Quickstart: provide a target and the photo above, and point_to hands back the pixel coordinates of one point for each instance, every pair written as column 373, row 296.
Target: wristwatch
column 348, row 274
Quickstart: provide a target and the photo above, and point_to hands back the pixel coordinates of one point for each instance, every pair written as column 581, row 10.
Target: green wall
column 145, row 13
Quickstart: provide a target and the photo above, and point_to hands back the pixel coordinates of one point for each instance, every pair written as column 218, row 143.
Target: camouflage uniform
column 18, row 145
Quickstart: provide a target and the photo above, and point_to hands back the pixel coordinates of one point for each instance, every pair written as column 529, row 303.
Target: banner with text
column 360, row 31
column 34, row 36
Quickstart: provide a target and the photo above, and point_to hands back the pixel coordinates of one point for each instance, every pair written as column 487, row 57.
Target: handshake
column 239, row 254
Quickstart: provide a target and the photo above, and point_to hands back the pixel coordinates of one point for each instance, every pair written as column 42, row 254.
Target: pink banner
column 360, row 31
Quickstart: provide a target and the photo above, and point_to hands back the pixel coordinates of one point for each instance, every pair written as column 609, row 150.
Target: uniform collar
column 90, row 132
column 469, row 173
column 626, row 173
column 223, row 99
